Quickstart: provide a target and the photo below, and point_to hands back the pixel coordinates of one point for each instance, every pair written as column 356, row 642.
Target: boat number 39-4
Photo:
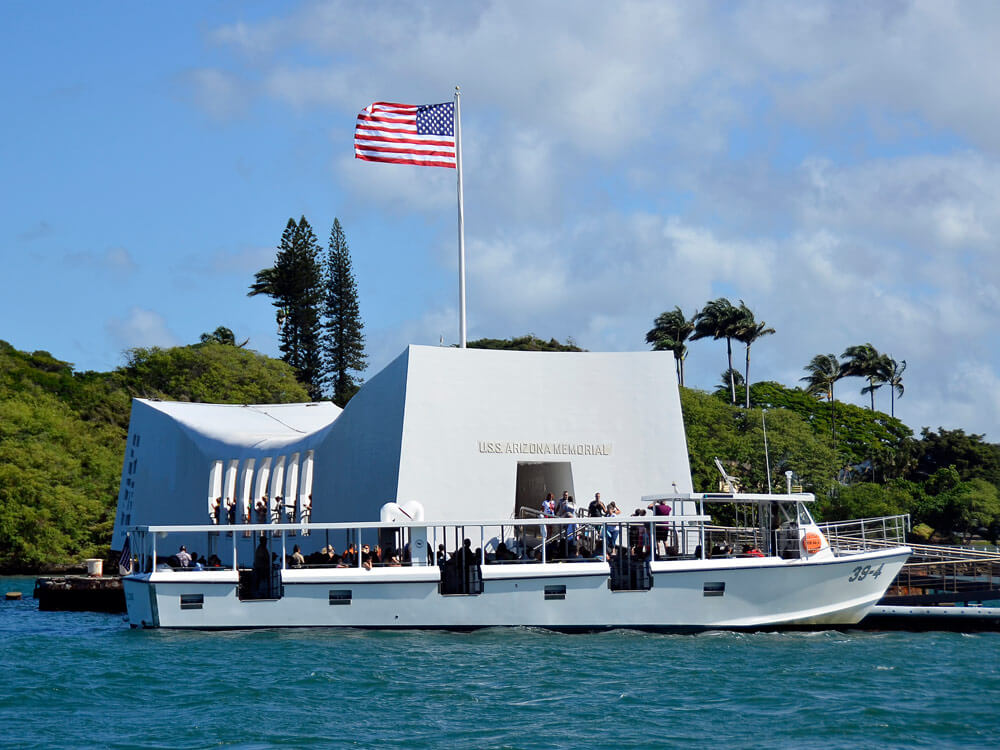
column 860, row 573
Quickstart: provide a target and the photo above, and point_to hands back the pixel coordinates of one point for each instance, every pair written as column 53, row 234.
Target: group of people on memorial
column 225, row 512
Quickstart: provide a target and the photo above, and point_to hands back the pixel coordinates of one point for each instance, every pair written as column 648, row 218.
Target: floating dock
column 80, row 594
column 956, row 619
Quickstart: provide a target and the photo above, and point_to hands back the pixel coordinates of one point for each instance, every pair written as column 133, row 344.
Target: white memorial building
column 470, row 434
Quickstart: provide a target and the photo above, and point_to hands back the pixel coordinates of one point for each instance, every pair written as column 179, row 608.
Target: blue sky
column 833, row 164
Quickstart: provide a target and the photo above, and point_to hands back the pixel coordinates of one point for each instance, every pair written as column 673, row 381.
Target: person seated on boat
column 332, row 558
column 442, row 556
column 750, row 551
column 503, row 554
column 298, row 560
column 198, row 563
column 350, row 557
column 183, row 557
column 366, row 557
column 214, row 561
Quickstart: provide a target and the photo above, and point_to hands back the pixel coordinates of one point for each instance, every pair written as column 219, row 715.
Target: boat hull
column 689, row 595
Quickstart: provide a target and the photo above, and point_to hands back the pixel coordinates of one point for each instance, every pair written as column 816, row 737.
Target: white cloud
column 140, row 327
column 835, row 165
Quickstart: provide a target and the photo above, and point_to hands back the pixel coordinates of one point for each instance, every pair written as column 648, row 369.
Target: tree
column 714, row 428
column 670, row 332
column 728, row 378
column 343, row 336
column 747, row 331
column 824, row 371
column 528, row 343
column 222, row 335
column 966, row 454
column 295, row 286
column 895, row 380
column 865, row 361
column 210, row 373
column 719, row 319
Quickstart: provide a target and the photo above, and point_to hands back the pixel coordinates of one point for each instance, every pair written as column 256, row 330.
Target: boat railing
column 865, row 534
column 535, row 540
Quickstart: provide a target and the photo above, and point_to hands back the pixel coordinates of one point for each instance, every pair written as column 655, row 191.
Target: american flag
column 125, row 559
column 422, row 134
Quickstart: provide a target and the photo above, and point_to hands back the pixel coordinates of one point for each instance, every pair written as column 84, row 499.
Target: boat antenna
column 767, row 460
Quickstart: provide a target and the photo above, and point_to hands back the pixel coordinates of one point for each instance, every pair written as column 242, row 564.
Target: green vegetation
column 62, row 433
column 343, row 340
column 527, row 343
column 62, row 436
column 949, row 482
column 295, row 286
column 319, row 320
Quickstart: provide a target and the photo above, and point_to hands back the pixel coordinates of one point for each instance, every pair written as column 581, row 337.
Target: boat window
column 192, row 601
column 804, row 518
column 555, row 592
column 340, row 596
column 714, row 588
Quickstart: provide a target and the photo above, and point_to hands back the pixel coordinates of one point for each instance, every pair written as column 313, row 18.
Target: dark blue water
column 82, row 680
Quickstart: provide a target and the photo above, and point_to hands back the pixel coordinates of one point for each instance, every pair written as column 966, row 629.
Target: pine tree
column 343, row 337
column 295, row 286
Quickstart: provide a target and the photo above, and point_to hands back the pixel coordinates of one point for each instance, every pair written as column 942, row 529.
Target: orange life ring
column 813, row 542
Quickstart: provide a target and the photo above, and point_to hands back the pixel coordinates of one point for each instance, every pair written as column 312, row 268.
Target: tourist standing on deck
column 262, row 568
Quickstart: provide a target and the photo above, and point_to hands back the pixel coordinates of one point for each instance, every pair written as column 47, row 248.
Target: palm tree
column 730, row 376
column 824, row 370
column 719, row 319
column 895, row 381
column 223, row 335
column 749, row 330
column 864, row 361
column 671, row 330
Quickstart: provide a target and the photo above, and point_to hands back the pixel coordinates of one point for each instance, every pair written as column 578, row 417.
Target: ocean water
column 85, row 680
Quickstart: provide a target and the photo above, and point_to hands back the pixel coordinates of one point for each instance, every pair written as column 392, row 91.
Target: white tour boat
column 658, row 572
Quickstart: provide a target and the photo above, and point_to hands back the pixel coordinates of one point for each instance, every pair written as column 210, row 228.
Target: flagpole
column 461, row 221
